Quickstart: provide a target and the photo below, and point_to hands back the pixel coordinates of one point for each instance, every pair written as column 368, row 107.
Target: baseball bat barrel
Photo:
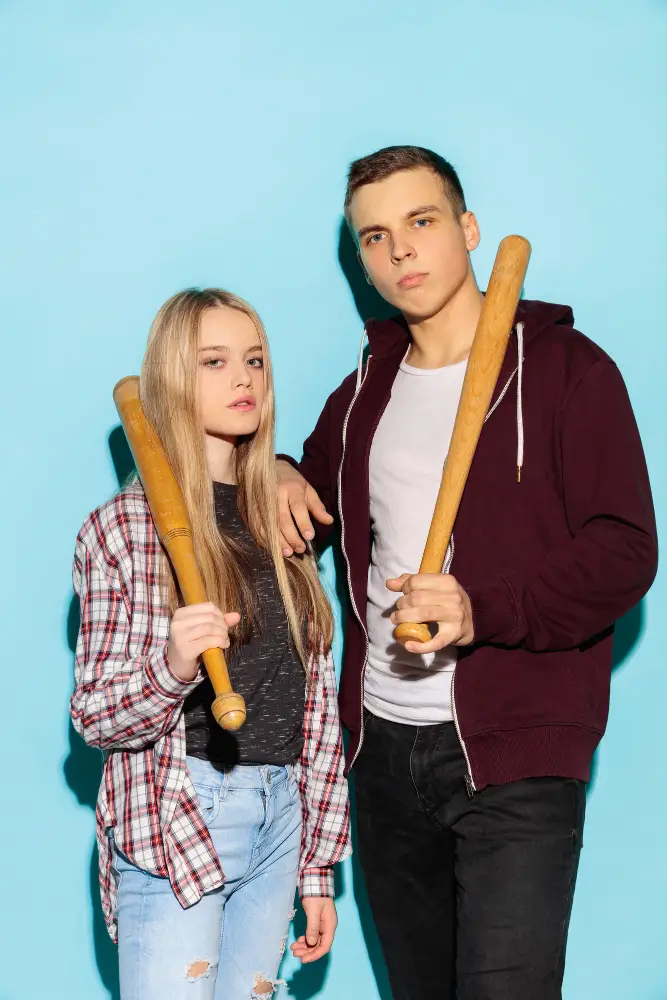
column 486, row 357
column 175, row 533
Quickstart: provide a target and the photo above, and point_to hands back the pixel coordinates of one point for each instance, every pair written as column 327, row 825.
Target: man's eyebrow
column 412, row 214
column 422, row 210
column 365, row 230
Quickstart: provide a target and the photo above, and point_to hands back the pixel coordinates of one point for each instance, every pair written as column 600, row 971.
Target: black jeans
column 471, row 896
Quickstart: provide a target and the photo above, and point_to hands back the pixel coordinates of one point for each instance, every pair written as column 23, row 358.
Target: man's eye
column 422, row 223
column 375, row 238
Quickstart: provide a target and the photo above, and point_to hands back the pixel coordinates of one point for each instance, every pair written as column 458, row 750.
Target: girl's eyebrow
column 225, row 349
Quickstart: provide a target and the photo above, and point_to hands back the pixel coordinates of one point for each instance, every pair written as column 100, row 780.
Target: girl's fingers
column 205, row 629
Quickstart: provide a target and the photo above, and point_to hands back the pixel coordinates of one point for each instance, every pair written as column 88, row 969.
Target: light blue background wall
column 148, row 146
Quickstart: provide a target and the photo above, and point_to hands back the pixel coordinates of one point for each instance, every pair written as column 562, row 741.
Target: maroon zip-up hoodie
column 549, row 563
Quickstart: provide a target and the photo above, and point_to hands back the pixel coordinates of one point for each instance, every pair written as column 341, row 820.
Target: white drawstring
column 518, row 371
column 360, row 364
column 519, row 402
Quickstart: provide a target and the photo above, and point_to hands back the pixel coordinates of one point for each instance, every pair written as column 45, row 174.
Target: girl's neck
column 221, row 458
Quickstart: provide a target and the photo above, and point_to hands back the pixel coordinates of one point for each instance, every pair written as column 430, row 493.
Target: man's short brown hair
column 378, row 166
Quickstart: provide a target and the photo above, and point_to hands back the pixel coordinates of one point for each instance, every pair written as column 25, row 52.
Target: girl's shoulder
column 120, row 524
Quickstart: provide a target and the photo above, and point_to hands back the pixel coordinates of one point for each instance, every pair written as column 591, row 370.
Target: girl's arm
column 126, row 696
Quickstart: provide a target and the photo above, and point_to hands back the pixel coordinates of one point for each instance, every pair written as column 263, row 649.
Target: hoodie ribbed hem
column 501, row 756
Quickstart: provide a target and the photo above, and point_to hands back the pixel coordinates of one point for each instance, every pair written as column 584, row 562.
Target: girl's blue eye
column 214, row 363
column 256, row 362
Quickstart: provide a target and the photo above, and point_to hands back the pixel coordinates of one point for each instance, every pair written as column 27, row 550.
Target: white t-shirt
column 407, row 455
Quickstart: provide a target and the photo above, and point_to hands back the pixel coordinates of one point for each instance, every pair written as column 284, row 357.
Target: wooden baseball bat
column 175, row 533
column 486, row 358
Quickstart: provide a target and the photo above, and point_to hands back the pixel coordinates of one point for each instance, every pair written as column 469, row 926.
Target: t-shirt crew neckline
column 411, row 370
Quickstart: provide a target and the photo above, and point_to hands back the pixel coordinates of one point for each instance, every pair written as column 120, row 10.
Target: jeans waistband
column 241, row 776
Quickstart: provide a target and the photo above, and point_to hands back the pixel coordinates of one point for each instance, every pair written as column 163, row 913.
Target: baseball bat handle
column 484, row 363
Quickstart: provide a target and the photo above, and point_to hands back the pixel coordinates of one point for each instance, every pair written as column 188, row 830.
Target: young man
column 471, row 752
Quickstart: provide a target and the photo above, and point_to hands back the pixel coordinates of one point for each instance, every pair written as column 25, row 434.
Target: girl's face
column 230, row 377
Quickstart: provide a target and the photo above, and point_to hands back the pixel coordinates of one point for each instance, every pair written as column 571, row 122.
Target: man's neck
column 446, row 338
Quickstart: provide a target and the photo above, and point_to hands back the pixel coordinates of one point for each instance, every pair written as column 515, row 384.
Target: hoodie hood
column 386, row 336
column 532, row 317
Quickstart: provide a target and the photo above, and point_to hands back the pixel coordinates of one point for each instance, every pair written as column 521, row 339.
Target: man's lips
column 243, row 403
column 412, row 280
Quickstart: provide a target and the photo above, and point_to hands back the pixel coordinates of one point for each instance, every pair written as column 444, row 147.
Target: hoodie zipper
column 469, row 780
column 347, row 561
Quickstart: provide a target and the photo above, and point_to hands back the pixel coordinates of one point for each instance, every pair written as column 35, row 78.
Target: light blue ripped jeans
column 228, row 946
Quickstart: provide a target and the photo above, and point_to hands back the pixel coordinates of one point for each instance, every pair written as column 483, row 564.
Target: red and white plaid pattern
column 129, row 703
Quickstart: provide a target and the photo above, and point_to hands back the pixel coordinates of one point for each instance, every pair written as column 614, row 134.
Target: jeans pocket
column 209, row 797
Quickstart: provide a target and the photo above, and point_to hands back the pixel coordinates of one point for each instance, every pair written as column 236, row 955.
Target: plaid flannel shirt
column 128, row 702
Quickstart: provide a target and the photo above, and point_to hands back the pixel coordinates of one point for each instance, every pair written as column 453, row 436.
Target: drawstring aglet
column 518, row 473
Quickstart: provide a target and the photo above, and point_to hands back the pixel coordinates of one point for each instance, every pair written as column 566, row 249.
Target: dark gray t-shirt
column 266, row 671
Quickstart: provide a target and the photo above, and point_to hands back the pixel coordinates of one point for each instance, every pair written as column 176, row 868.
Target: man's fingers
column 430, row 598
column 289, row 531
column 445, row 637
column 420, row 615
column 299, row 511
column 317, row 508
column 443, row 583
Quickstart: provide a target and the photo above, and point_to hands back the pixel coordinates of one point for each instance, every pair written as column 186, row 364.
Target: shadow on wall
column 83, row 766
column 83, row 770
column 369, row 303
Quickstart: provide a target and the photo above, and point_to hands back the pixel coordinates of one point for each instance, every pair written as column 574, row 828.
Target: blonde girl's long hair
column 169, row 397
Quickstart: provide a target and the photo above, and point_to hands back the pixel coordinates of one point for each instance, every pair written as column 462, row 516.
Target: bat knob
column 411, row 632
column 229, row 711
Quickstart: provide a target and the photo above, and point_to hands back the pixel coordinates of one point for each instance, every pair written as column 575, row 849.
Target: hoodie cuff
column 290, row 461
column 317, row 882
column 495, row 615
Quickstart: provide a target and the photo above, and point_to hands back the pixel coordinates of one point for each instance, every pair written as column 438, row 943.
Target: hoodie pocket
column 581, row 686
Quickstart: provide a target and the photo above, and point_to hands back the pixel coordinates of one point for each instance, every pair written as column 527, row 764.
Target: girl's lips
column 244, row 403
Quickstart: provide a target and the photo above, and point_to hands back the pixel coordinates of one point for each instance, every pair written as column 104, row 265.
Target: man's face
column 413, row 248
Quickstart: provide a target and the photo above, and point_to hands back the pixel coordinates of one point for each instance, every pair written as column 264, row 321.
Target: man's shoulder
column 562, row 350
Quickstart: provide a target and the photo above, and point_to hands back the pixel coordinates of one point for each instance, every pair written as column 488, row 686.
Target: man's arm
column 306, row 493
column 581, row 588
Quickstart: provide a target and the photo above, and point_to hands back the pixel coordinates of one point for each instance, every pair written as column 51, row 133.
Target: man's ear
column 361, row 264
column 470, row 228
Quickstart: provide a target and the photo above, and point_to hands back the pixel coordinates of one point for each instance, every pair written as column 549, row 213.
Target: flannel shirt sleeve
column 126, row 696
column 326, row 826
